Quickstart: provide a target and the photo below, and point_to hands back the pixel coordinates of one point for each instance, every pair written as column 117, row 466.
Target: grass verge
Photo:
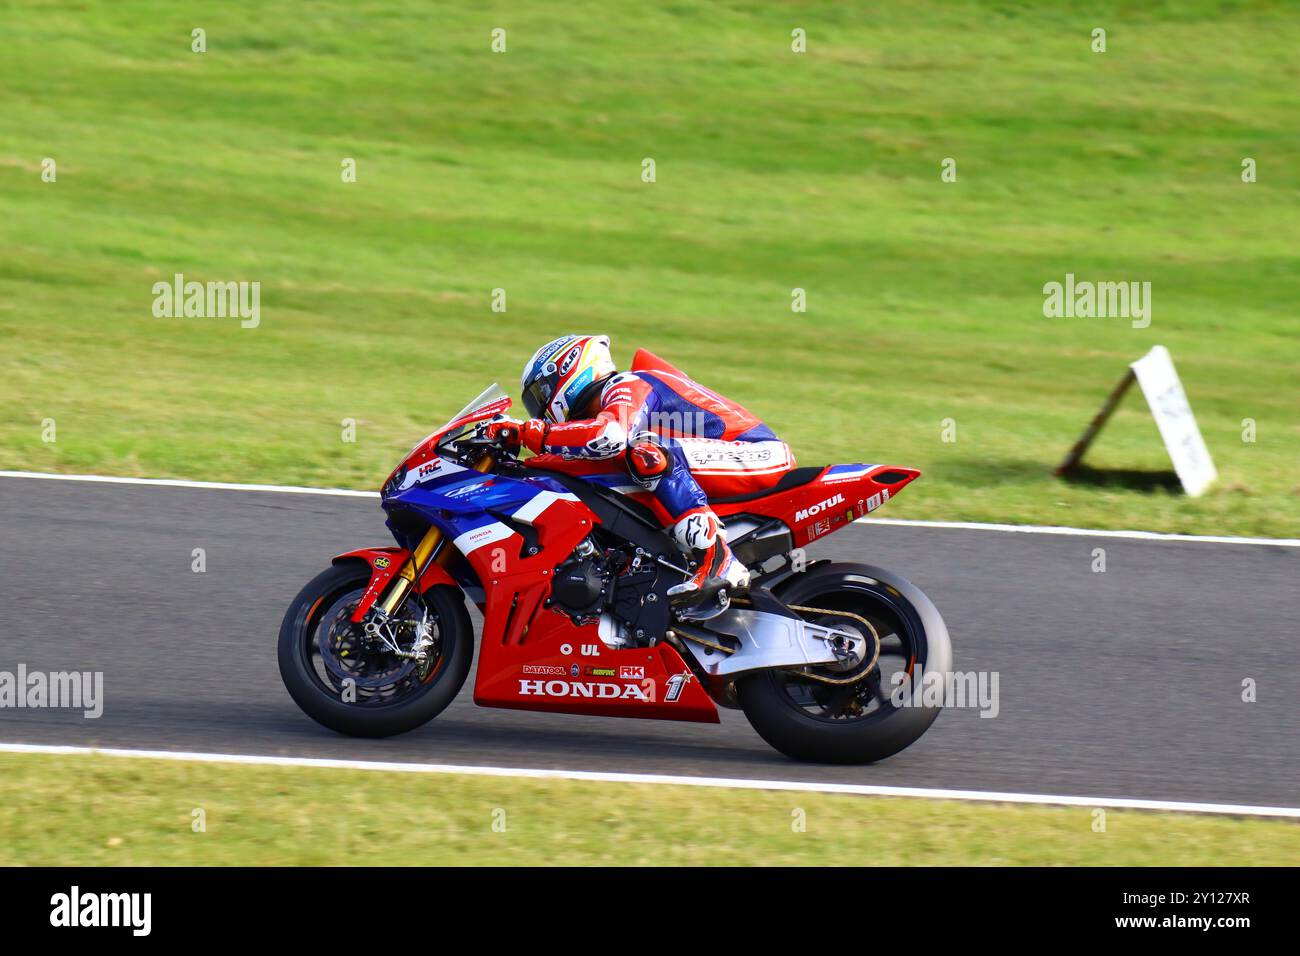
column 775, row 171
column 93, row 810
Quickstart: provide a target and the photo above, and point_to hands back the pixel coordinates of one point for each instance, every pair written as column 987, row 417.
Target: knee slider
column 647, row 463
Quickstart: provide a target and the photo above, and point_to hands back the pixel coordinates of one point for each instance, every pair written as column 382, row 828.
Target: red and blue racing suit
column 670, row 436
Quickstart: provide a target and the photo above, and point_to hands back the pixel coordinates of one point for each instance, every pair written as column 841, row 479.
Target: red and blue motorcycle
column 572, row 579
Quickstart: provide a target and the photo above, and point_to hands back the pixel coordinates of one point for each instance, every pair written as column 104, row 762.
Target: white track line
column 1084, row 532
column 984, row 796
column 962, row 525
column 182, row 483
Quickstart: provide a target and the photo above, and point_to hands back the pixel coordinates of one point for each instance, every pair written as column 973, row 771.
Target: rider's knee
column 648, row 463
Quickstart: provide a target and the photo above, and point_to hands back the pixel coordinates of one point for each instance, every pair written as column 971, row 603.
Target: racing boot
column 718, row 575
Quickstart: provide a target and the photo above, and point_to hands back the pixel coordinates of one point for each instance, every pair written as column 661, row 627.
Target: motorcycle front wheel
column 821, row 721
column 356, row 686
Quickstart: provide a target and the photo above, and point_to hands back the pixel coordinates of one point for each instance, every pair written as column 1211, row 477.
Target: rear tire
column 783, row 707
column 316, row 689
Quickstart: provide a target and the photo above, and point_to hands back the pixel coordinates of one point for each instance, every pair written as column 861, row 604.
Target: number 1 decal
column 676, row 684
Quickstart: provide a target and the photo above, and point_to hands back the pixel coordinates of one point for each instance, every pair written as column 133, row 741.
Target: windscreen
column 493, row 393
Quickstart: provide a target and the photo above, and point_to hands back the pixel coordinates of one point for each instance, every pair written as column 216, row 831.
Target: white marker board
column 1155, row 374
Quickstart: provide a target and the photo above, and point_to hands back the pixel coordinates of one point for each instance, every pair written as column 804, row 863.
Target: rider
column 668, row 432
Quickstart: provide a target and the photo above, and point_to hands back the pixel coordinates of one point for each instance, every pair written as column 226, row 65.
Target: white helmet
column 563, row 376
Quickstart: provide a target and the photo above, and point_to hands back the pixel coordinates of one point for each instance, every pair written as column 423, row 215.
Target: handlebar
column 474, row 447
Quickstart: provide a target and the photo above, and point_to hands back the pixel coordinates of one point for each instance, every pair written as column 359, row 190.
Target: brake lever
column 480, row 444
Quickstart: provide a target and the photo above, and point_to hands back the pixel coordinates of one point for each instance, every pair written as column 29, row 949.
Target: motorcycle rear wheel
column 859, row 723
column 324, row 661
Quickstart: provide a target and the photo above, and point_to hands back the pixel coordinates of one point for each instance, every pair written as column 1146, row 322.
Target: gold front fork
column 404, row 580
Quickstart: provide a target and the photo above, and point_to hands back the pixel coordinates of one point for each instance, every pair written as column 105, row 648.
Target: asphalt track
column 1123, row 683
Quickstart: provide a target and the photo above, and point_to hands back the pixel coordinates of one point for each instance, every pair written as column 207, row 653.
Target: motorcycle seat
column 795, row 478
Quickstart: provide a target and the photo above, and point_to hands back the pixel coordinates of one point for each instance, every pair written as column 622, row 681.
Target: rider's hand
column 505, row 430
column 530, row 434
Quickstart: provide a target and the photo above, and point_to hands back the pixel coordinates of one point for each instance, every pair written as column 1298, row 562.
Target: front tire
column 859, row 723
column 363, row 691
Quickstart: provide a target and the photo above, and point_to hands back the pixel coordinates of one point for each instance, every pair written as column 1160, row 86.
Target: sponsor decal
column 545, row 670
column 574, row 388
column 572, row 356
column 819, row 528
column 574, row 671
column 586, row 650
column 382, row 562
column 631, row 672
column 416, row 473
column 594, row 690
column 676, row 684
column 741, row 453
column 598, row 671
column 845, row 473
column 480, row 536
column 818, row 508
column 868, row 505
column 463, row 490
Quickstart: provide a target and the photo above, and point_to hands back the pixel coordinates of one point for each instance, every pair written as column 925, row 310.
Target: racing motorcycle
column 572, row 577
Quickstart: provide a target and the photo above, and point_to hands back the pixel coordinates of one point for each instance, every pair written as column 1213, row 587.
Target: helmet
column 563, row 376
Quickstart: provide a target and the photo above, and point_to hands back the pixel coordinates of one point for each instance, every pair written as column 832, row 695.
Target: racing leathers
column 681, row 442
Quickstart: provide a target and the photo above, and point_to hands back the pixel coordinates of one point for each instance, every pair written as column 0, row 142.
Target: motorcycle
column 572, row 577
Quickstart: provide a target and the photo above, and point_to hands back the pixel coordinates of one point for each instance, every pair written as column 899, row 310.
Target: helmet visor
column 537, row 397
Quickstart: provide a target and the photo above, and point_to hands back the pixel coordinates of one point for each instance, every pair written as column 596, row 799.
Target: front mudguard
column 384, row 563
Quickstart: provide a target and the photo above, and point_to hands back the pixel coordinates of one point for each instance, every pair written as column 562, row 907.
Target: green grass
column 91, row 810
column 774, row 171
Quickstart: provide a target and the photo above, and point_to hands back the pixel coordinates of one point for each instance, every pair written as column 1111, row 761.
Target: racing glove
column 530, row 434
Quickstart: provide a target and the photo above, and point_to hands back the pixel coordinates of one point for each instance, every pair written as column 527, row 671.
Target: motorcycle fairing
column 423, row 461
column 573, row 672
column 836, row 497
column 474, row 509
column 512, row 534
column 536, row 657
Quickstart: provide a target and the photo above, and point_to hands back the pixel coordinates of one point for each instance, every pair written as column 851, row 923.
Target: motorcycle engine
column 581, row 584
column 618, row 588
